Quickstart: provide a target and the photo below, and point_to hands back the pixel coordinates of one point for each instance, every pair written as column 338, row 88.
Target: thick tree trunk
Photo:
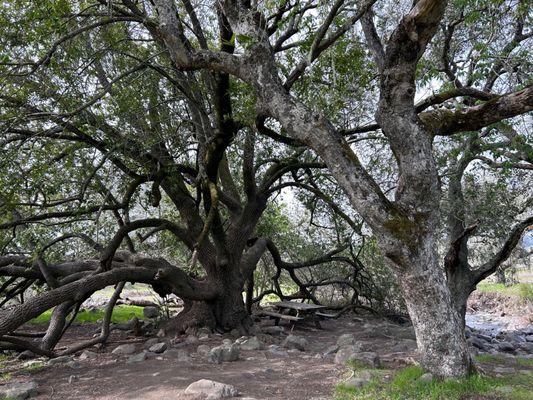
column 224, row 313
column 438, row 325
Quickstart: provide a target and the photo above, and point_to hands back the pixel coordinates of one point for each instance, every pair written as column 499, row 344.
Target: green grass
column 483, row 358
column 522, row 290
column 525, row 362
column 486, row 358
column 405, row 385
column 4, row 375
column 34, row 367
column 122, row 313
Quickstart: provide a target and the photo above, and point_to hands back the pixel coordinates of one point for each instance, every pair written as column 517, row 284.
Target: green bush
column 525, row 291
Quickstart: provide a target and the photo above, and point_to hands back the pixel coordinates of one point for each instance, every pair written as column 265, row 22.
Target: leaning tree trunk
column 438, row 325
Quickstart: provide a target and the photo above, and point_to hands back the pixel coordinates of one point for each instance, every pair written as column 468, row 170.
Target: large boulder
column 224, row 353
column 19, row 390
column 295, row 342
column 211, row 390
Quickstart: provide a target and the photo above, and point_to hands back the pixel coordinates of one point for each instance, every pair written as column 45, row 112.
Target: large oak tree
column 270, row 48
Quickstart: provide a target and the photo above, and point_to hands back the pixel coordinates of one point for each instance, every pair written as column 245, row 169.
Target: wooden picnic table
column 299, row 311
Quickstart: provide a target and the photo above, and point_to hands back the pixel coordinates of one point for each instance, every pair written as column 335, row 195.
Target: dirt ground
column 260, row 375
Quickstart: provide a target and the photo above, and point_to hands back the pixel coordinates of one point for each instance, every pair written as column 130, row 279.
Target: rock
column 235, row 333
column 240, row 340
column 125, row 349
column 87, row 354
column 369, row 358
column 353, row 353
column 272, row 330
column 211, row 390
column 527, row 347
column 345, row 353
column 529, row 338
column 330, row 350
column 191, row 339
column 150, row 312
column 203, row 350
column 514, row 337
column 476, row 342
column 224, row 353
column 277, row 351
column 137, row 358
column 404, row 345
column 179, row 355
column 506, row 346
column 347, row 339
column 427, row 377
column 486, row 338
column 59, row 360
column 252, row 344
column 72, row 378
column 359, row 380
column 227, row 342
column 73, row 364
column 158, row 348
column 19, row 390
column 150, row 342
column 295, row 342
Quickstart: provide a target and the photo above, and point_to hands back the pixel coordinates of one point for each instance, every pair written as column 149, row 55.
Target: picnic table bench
column 295, row 312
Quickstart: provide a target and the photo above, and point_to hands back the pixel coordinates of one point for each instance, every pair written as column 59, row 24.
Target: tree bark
column 224, row 313
column 438, row 325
